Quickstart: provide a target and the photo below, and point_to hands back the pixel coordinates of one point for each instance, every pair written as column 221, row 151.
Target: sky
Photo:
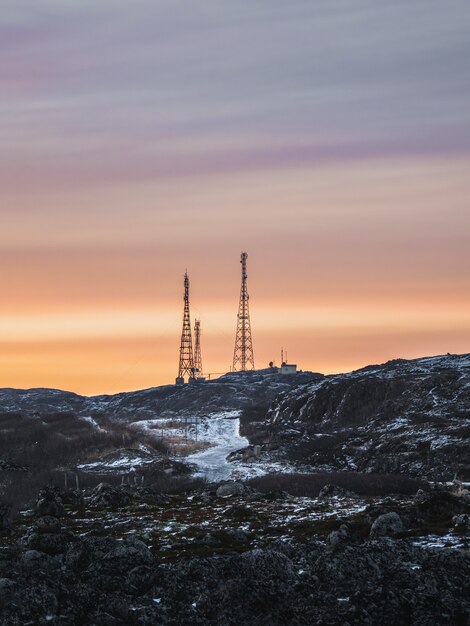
column 330, row 140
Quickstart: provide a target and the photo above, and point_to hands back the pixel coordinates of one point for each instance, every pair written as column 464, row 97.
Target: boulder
column 253, row 588
column 83, row 553
column 33, row 559
column 387, row 525
column 6, row 587
column 50, row 503
column 334, row 491
column 338, row 537
column 461, row 522
column 266, row 564
column 50, row 543
column 420, row 496
column 231, row 488
column 47, row 524
column 237, row 534
column 128, row 553
column 109, row 572
column 105, row 495
column 139, row 579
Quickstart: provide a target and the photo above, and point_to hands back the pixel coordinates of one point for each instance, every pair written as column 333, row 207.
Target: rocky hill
column 410, row 417
column 230, row 392
column 45, row 434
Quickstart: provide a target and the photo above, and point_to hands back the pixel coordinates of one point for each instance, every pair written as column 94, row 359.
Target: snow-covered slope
column 403, row 416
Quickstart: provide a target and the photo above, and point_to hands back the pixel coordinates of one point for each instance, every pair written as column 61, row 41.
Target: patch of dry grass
column 179, row 424
column 185, row 447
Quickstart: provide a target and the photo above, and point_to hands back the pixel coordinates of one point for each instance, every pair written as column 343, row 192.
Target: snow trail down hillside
column 223, row 430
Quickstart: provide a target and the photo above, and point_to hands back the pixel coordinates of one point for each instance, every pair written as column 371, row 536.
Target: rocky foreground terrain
column 366, row 520
column 230, row 554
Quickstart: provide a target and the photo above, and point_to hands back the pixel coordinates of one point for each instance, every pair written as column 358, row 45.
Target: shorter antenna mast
column 197, row 350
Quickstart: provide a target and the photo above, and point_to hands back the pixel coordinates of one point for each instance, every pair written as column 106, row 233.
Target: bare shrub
column 156, row 443
column 176, row 484
column 309, row 485
column 21, row 489
column 185, row 447
column 9, row 419
column 174, row 423
column 58, row 439
column 65, row 420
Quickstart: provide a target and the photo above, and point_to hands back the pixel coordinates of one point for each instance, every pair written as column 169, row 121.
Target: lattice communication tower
column 186, row 366
column 243, row 353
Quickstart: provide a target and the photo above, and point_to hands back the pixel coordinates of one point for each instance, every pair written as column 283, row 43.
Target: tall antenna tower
column 197, row 350
column 243, row 352
column 186, row 348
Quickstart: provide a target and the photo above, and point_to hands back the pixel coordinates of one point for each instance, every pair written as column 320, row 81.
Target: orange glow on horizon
column 348, row 265
column 110, row 352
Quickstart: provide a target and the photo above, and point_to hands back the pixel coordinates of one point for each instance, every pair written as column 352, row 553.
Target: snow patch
column 93, row 422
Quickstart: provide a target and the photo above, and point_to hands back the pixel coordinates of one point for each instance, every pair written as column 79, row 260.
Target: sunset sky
column 330, row 140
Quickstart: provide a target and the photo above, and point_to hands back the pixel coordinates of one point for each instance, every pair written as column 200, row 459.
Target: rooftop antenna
column 243, row 353
column 186, row 365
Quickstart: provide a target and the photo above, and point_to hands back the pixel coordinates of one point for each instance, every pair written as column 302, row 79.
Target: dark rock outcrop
column 410, row 417
column 105, row 495
column 231, row 488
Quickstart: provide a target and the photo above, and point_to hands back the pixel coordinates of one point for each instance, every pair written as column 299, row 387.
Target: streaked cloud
column 331, row 140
